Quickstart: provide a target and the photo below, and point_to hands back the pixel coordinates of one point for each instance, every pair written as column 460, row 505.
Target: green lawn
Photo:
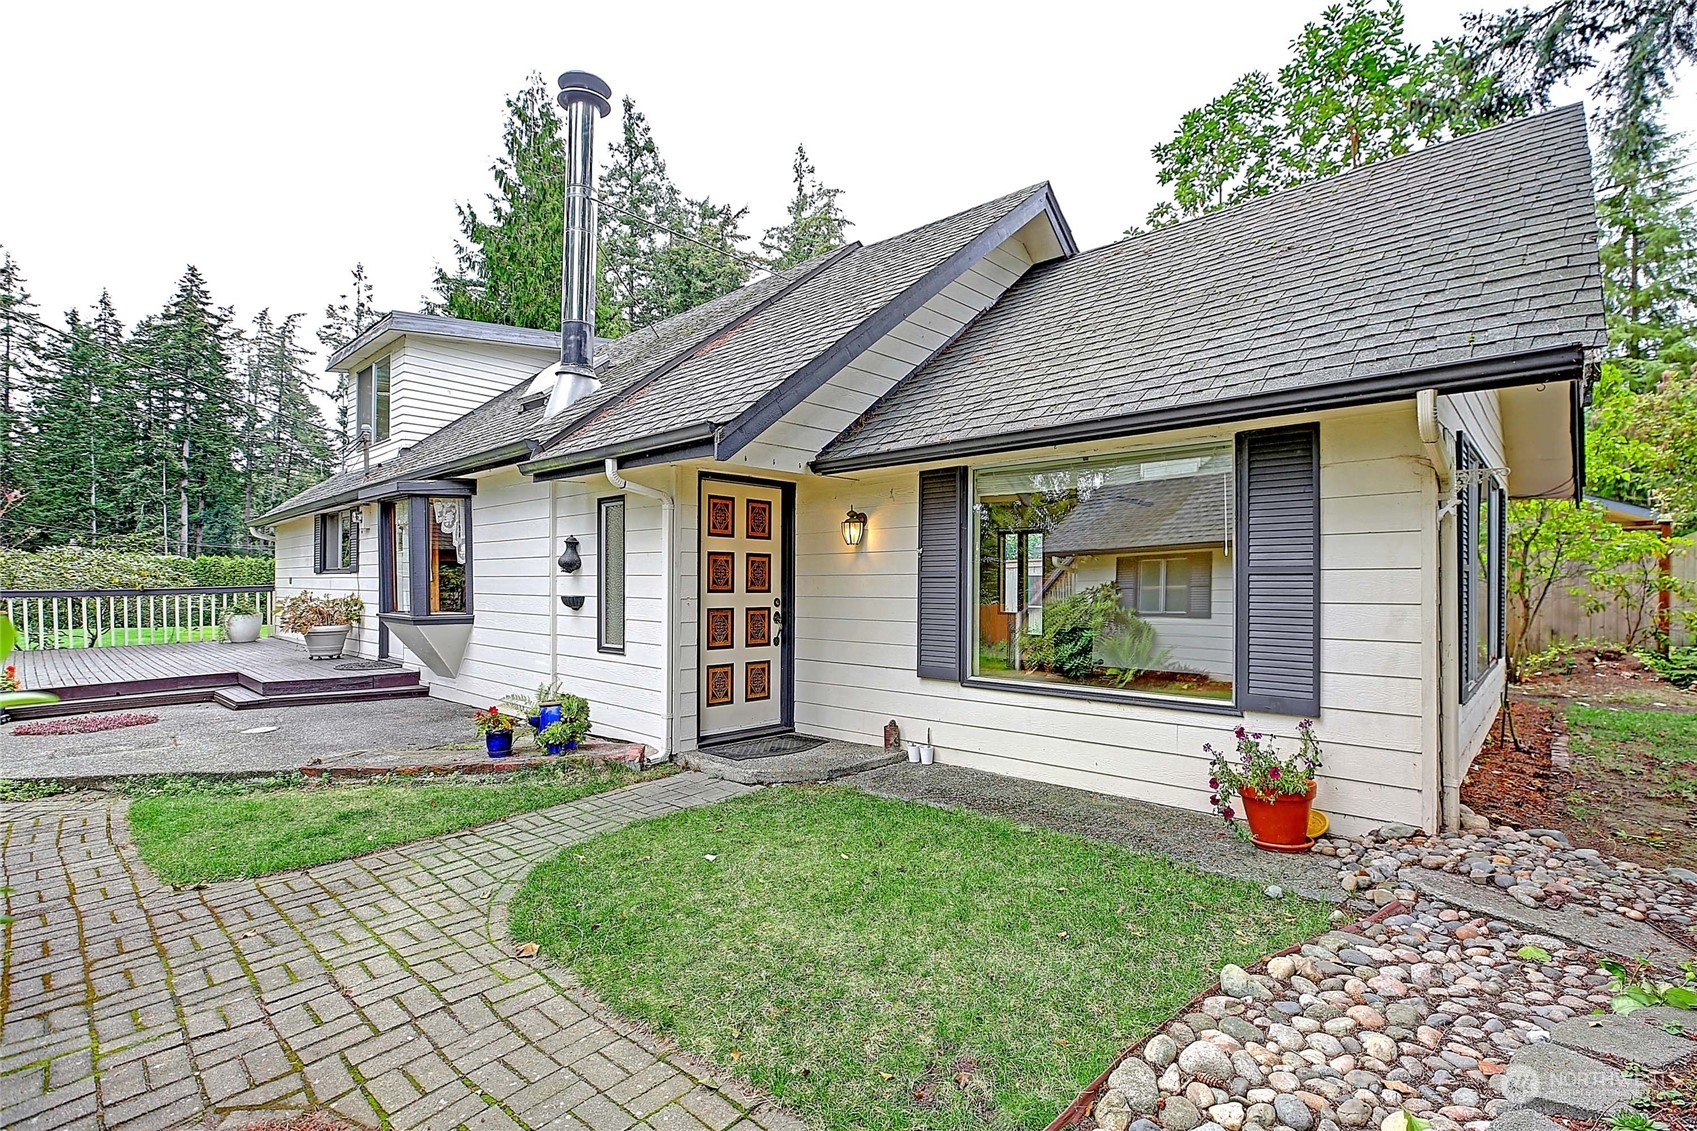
column 1635, row 781
column 195, row 834
column 79, row 637
column 887, row 965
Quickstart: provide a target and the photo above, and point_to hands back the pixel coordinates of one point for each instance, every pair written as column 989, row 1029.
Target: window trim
column 320, row 530
column 418, row 588
column 970, row 587
column 1469, row 581
column 366, row 395
column 602, row 506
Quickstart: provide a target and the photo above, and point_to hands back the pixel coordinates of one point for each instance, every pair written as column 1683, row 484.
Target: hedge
column 73, row 567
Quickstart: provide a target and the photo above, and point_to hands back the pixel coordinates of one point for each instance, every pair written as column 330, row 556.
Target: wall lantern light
column 854, row 527
column 570, row 560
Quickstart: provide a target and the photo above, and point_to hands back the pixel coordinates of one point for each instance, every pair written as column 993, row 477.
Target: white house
column 1112, row 504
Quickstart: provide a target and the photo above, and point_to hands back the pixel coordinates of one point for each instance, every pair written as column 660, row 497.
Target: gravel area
column 205, row 738
column 1421, row 1011
column 1539, row 869
column 1198, row 839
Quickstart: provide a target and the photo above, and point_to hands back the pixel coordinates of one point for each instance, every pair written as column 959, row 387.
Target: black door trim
column 786, row 643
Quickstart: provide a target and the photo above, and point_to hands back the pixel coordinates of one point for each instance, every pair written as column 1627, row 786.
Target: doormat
column 369, row 666
column 765, row 747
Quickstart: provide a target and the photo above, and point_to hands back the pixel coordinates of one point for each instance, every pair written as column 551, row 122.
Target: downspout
column 669, row 609
column 553, row 582
column 1449, row 689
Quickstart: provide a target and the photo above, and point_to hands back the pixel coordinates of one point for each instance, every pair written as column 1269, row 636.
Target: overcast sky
column 273, row 145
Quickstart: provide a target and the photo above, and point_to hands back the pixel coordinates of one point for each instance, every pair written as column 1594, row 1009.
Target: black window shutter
column 1467, row 559
column 1278, row 573
column 942, row 572
column 353, row 540
column 317, row 543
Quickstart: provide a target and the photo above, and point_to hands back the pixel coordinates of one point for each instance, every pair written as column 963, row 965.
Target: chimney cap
column 581, row 86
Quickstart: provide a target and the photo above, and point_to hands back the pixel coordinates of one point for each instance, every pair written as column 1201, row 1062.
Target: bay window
column 427, row 556
column 1107, row 575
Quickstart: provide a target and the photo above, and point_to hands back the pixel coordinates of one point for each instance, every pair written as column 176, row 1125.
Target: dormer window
column 372, row 388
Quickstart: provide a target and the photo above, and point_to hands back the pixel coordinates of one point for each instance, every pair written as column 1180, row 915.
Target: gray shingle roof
column 731, row 373
column 1145, row 515
column 504, row 421
column 1481, row 247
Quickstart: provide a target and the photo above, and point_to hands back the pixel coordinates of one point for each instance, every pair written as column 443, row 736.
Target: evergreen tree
column 507, row 267
column 20, row 363
column 816, row 224
column 1648, row 231
column 344, row 320
column 641, row 202
column 184, row 483
column 284, row 445
column 1642, row 43
column 689, row 274
column 79, row 434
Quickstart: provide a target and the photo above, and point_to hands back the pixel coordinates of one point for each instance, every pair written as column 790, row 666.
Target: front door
column 744, row 676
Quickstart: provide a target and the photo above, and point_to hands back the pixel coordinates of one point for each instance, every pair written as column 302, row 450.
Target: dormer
column 413, row 373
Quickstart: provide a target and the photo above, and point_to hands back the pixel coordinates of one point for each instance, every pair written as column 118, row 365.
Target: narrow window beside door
column 612, row 604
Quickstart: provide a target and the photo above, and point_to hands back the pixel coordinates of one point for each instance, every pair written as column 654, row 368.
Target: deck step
column 92, row 704
column 245, row 698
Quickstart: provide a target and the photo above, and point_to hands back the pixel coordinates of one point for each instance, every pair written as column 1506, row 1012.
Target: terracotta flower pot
column 1278, row 822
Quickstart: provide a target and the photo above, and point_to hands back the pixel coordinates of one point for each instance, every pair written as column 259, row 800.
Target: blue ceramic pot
column 557, row 749
column 499, row 742
column 549, row 714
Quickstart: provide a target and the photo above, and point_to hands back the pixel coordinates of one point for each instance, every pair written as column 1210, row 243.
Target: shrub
column 1678, row 667
column 1071, row 627
column 231, row 569
column 307, row 610
column 76, row 567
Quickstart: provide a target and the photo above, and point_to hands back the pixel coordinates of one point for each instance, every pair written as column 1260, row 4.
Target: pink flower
column 1213, row 783
column 1229, row 813
column 1239, row 732
column 1273, row 773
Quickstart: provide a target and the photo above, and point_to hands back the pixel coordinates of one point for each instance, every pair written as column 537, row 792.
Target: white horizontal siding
column 295, row 555
column 434, row 381
column 855, row 644
column 516, row 584
column 793, row 442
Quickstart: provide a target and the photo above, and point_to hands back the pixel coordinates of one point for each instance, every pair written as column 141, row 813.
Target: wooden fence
column 1564, row 617
column 99, row 618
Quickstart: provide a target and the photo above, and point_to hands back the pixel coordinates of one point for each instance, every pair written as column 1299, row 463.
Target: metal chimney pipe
column 580, row 94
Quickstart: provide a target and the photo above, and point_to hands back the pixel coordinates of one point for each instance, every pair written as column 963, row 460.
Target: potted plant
column 541, row 708
column 496, row 729
column 1277, row 791
column 241, row 622
column 562, row 735
column 324, row 621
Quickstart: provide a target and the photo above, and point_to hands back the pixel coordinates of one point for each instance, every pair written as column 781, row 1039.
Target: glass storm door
column 743, row 618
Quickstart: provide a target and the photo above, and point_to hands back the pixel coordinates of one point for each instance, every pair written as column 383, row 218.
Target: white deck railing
column 99, row 618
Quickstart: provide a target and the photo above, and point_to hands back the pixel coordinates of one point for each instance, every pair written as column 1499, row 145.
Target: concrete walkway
column 382, row 988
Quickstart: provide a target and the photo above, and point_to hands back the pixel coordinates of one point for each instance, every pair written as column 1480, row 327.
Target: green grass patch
column 1659, row 747
column 884, row 965
column 31, row 789
column 196, row 831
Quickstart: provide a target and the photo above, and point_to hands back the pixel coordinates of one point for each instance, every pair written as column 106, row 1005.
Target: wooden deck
column 268, row 672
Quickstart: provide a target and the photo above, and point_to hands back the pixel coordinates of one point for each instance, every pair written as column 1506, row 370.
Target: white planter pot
column 326, row 643
column 913, row 752
column 926, row 753
column 243, row 628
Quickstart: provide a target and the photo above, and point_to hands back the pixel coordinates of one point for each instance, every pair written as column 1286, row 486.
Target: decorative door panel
column 742, row 613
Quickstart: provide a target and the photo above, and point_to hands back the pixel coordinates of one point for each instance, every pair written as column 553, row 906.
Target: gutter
column 576, row 463
column 668, row 672
column 1565, row 363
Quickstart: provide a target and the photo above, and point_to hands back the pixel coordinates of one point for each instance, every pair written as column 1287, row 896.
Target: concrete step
column 246, row 699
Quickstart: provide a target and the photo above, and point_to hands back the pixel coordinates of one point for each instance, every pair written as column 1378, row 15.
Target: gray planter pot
column 243, row 628
column 326, row 643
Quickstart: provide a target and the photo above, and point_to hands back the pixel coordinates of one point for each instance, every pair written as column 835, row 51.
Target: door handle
column 777, row 618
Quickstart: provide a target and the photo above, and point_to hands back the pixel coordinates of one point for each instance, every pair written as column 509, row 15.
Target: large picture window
column 1483, row 536
column 1111, row 575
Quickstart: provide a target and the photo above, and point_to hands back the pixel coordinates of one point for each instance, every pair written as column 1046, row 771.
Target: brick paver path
column 382, row 988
